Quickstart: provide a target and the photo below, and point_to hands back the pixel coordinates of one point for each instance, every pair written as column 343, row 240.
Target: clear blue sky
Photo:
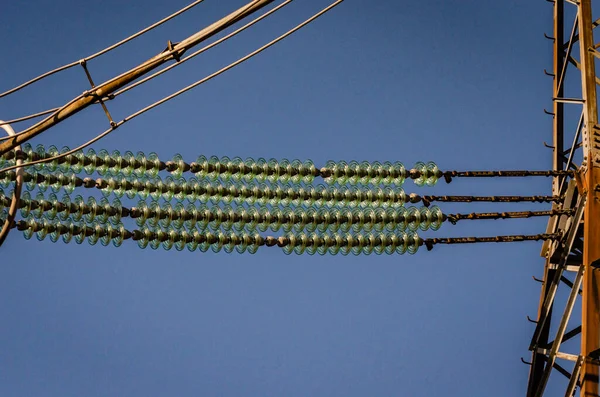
column 455, row 82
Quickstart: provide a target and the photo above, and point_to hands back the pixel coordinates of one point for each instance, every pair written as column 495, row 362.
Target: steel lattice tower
column 573, row 261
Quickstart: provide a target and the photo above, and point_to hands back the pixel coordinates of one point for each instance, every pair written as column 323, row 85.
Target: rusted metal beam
column 173, row 52
column 590, row 324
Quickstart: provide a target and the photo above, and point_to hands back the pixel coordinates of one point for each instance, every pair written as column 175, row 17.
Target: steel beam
column 590, row 324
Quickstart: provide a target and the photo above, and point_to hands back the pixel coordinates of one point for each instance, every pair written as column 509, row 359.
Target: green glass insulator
column 191, row 194
column 203, row 167
column 354, row 168
column 393, row 242
column 437, row 217
column 313, row 220
column 181, row 243
column 273, row 170
column 6, row 182
column 204, row 214
column 102, row 163
column 127, row 163
column 44, row 185
column 285, row 170
column 54, row 234
column 29, row 185
column 265, row 216
column 325, row 219
column 433, row 170
column 336, row 244
column 280, row 196
column 180, row 194
column 119, row 185
column 260, row 170
column 390, row 217
column 143, row 242
column 90, row 164
column 53, row 211
column 41, row 151
column 141, row 164
column 172, row 238
column 213, row 168
column 379, row 219
column 341, row 170
column 326, row 243
column 68, row 236
column 312, row 244
column 65, row 165
column 386, row 172
column 380, row 243
column 118, row 238
column 79, row 205
column 287, row 215
column 152, row 165
column 289, row 248
column 93, row 238
column 252, row 224
column 358, row 244
column 215, row 218
column 425, row 218
column 38, row 212
column 156, row 243
column 413, row 243
column 93, row 207
column 414, row 217
column 399, row 173
column 330, row 167
column 205, row 245
column 347, row 244
column 26, row 209
column 66, row 212
column 303, row 242
column 293, row 171
column 223, row 192
column 379, row 173
column 107, row 235
column 227, row 218
column 79, row 234
column 308, row 171
column 154, row 214
column 142, row 207
column 43, row 231
column 218, row 245
column 154, row 193
column 240, row 223
column 363, row 172
column 190, row 221
column 402, row 245
column 232, row 241
column 224, row 169
column 169, row 188
column 104, row 209
column 110, row 186
column 178, row 160
column 253, row 247
column 278, row 219
column 178, row 216
column 117, row 159
column 369, row 243
column 251, row 170
column 51, row 165
column 236, row 169
column 192, row 245
column 422, row 168
column 244, row 243
column 28, row 233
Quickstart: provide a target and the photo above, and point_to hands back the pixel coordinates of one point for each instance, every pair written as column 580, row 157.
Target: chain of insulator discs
column 372, row 219
column 378, row 243
column 202, row 217
column 236, row 169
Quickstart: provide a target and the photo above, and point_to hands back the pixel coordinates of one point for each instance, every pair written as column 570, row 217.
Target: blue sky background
column 458, row 83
